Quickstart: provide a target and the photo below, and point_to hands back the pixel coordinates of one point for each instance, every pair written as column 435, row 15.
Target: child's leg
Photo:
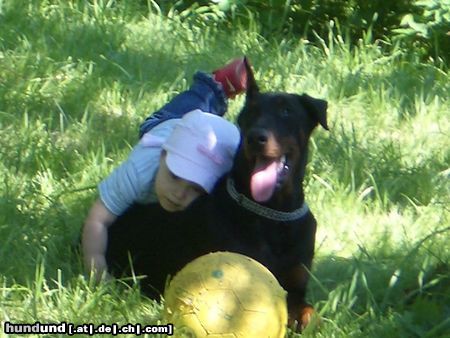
column 205, row 94
column 208, row 93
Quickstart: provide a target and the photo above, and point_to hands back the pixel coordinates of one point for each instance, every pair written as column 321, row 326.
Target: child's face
column 173, row 192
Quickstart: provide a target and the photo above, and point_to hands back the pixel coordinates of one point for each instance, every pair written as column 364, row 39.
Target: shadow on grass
column 67, row 59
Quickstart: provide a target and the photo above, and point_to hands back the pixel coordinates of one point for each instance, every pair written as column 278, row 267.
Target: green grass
column 76, row 79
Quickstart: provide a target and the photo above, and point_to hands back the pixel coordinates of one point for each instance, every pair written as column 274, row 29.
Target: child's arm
column 128, row 183
column 95, row 239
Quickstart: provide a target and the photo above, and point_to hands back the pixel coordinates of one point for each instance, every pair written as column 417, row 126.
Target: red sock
column 233, row 77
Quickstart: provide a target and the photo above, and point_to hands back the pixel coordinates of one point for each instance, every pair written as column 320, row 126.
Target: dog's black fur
column 154, row 244
column 275, row 127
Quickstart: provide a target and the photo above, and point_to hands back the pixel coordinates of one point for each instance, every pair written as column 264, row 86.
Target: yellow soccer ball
column 225, row 294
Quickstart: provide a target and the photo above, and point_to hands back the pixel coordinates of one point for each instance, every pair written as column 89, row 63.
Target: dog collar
column 260, row 210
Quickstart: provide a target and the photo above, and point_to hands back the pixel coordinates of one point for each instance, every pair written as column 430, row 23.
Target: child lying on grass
column 184, row 149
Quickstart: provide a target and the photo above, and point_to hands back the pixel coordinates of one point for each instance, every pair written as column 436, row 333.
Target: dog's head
column 275, row 129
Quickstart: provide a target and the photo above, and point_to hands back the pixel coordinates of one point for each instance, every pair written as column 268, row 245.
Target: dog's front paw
column 301, row 317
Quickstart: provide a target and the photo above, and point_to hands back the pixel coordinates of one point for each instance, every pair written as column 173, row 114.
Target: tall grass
column 77, row 78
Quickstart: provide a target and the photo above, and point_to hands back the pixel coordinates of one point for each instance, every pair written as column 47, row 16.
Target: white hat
column 201, row 148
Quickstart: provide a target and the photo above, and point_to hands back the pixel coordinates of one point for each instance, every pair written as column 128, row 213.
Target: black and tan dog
column 259, row 209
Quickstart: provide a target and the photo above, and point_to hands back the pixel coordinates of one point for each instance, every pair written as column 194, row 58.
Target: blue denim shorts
column 205, row 94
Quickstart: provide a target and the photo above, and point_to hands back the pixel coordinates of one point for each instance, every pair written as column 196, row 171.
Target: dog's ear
column 252, row 87
column 316, row 108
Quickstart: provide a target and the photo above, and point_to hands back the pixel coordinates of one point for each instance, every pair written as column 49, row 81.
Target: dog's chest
column 267, row 241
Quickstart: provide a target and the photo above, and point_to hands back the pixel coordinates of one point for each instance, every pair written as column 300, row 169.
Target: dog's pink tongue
column 263, row 181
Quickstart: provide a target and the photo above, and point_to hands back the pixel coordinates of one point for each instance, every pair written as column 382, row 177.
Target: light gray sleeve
column 132, row 181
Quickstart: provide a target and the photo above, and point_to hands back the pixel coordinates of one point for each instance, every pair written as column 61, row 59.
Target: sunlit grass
column 77, row 78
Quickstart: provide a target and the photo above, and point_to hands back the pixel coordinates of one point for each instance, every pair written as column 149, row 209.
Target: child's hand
column 97, row 268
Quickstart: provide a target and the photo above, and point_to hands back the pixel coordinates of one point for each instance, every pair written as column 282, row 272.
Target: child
column 184, row 149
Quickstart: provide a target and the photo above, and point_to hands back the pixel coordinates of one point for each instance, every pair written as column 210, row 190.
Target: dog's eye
column 285, row 112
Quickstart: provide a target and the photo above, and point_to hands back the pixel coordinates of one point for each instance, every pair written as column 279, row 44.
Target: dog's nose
column 257, row 137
